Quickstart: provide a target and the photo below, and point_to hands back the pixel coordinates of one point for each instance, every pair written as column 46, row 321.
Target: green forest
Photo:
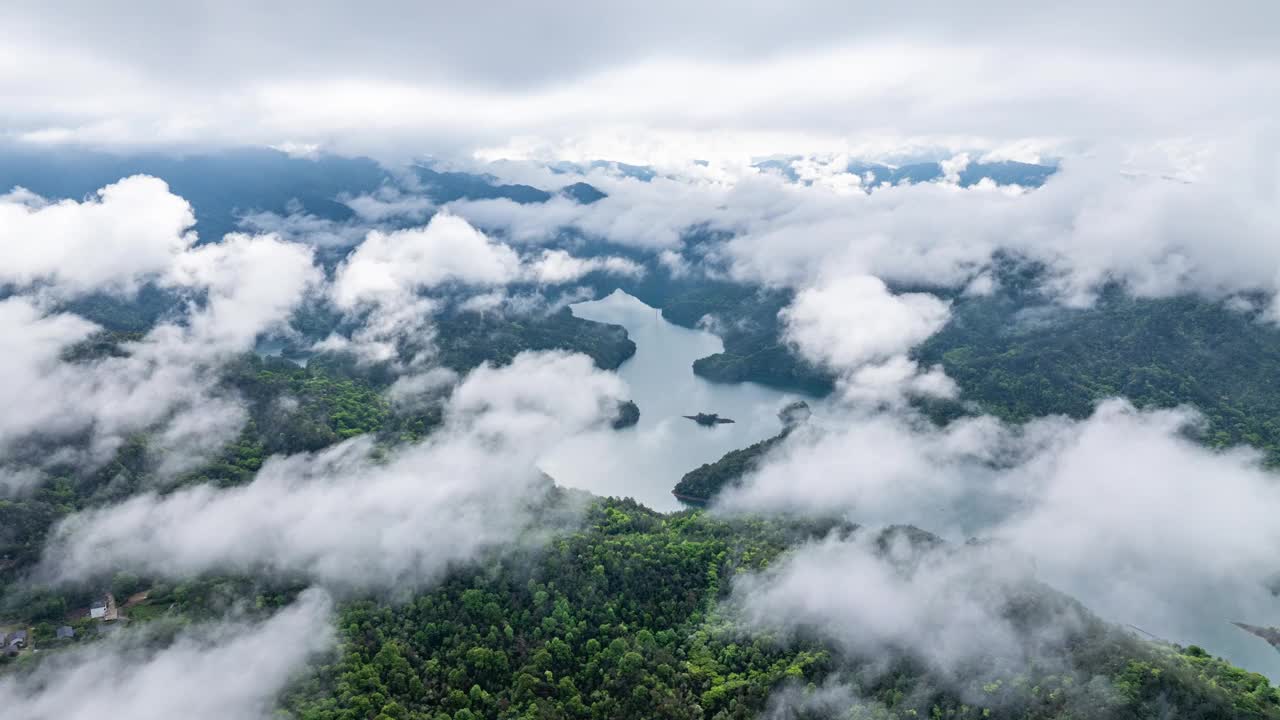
column 623, row 618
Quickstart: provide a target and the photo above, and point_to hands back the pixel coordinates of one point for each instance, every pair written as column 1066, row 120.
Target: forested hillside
column 1021, row 360
column 621, row 619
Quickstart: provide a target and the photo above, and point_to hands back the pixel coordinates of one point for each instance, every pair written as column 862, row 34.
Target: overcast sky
column 659, row 77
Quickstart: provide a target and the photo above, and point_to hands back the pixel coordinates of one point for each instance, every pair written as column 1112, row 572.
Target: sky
column 635, row 82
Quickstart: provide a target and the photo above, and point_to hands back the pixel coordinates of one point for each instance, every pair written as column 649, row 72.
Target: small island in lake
column 708, row 419
column 628, row 415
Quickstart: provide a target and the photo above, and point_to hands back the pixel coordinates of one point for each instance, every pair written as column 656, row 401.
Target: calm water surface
column 645, row 461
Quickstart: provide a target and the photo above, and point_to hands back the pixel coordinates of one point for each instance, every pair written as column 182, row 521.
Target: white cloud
column 947, row 608
column 1148, row 526
column 165, row 381
column 252, row 284
column 650, row 215
column 346, row 516
column 305, row 228
column 384, row 280
column 1121, row 510
column 387, row 203
column 998, row 72
column 851, row 321
column 557, row 266
column 32, row 348
column 1163, row 219
column 886, row 468
column 791, row 701
column 855, row 327
column 228, row 669
column 128, row 232
column 402, row 262
column 1092, row 222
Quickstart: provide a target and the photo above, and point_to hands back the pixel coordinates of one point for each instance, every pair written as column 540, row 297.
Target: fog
column 354, row 516
column 1121, row 510
column 213, row 670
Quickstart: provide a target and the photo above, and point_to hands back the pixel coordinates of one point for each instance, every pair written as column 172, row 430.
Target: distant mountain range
column 1006, row 172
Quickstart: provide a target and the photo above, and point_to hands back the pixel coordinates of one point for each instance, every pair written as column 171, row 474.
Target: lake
column 645, row 461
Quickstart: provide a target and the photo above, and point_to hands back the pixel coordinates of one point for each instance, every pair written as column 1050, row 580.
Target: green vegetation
column 747, row 321
column 604, row 623
column 467, row 339
column 291, row 409
column 1020, row 359
column 622, row 619
column 699, row 485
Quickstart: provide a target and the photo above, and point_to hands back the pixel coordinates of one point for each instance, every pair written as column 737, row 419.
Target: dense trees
column 622, row 619
column 466, row 339
column 704, row 482
column 1019, row 358
column 746, row 318
column 606, row 622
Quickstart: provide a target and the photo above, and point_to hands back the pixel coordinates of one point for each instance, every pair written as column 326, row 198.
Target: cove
column 645, row 461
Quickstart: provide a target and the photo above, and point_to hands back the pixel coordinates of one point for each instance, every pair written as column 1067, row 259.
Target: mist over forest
column 823, row 360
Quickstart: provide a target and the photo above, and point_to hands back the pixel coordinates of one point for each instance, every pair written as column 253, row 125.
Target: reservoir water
column 645, row 461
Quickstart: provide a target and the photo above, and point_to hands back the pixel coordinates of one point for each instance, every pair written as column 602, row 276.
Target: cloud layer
column 1121, row 510
column 130, row 231
column 878, row 596
column 610, row 81
column 350, row 516
column 219, row 670
column 134, row 232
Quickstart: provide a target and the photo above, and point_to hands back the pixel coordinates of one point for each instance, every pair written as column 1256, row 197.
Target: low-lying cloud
column 352, row 515
column 879, row 596
column 386, row 282
column 128, row 232
column 164, row 382
column 219, row 670
column 1122, row 510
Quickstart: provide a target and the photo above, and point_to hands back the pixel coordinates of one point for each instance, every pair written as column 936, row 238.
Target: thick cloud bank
column 1160, row 220
column 223, row 670
column 346, row 516
column 855, row 320
column 876, row 596
column 1122, row 510
column 630, row 84
column 130, row 231
column 134, row 232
